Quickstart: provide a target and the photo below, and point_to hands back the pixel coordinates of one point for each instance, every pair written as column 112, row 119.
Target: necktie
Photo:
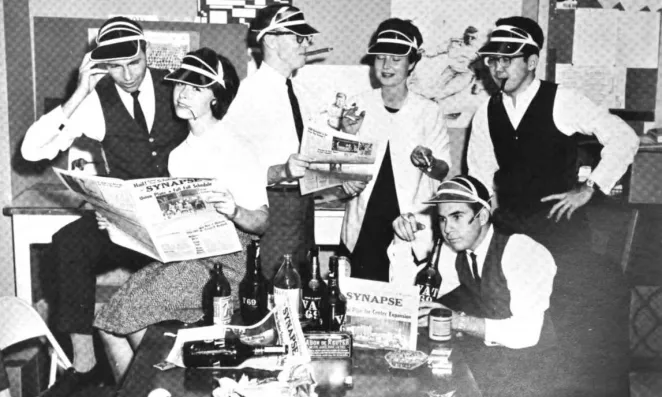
column 474, row 267
column 138, row 114
column 296, row 111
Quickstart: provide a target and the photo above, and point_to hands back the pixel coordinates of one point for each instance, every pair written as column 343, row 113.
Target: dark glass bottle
column 335, row 308
column 314, row 291
column 216, row 298
column 428, row 279
column 224, row 353
column 287, row 286
column 253, row 289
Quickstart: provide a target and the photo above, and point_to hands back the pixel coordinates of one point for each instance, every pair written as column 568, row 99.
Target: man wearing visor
column 266, row 111
column 498, row 286
column 125, row 106
column 522, row 146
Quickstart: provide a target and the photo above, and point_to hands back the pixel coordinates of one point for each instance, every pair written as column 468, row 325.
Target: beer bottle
column 216, row 299
column 313, row 293
column 224, row 352
column 428, row 279
column 252, row 289
column 287, row 286
column 336, row 305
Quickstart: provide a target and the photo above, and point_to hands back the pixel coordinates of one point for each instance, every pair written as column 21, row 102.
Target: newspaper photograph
column 278, row 327
column 168, row 219
column 380, row 316
column 336, row 157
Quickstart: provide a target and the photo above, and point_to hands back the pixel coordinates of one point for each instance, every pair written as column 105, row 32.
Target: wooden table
column 371, row 374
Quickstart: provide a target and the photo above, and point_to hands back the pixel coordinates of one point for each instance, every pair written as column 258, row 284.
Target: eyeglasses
column 300, row 39
column 504, row 62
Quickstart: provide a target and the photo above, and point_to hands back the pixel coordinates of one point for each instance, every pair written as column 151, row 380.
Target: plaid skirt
column 169, row 291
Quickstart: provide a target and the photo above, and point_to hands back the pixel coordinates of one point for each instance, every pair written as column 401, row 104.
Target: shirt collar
column 525, row 97
column 481, row 250
column 271, row 73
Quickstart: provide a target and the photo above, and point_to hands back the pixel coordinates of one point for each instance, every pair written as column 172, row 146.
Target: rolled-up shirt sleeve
column 54, row 132
column 574, row 112
column 529, row 269
column 481, row 160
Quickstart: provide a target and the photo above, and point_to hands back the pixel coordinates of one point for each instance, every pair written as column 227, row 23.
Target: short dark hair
column 405, row 26
column 224, row 96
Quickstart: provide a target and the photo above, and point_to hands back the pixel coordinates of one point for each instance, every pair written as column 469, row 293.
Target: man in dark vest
column 498, row 286
column 521, row 145
column 125, row 106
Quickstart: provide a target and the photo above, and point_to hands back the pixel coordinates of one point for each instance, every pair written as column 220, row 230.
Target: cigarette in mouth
column 320, row 51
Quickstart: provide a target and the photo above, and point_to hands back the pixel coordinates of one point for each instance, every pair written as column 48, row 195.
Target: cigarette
column 320, row 51
column 428, row 162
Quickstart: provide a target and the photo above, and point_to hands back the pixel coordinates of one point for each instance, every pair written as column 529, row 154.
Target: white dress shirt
column 529, row 270
column 573, row 112
column 218, row 156
column 44, row 139
column 262, row 115
column 419, row 122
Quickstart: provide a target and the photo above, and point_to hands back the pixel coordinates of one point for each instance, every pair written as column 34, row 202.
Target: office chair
column 20, row 322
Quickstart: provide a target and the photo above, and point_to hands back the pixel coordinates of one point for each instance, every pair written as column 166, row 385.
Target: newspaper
column 278, row 327
column 168, row 219
column 336, row 157
column 380, row 316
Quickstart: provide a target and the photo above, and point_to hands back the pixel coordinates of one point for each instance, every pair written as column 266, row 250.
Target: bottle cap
column 441, row 312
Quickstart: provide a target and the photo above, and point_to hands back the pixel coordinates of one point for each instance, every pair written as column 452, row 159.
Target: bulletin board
column 609, row 50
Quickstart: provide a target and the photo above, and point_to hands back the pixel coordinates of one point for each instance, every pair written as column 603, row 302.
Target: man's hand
column 353, row 188
column 102, row 222
column 351, row 122
column 89, row 75
column 405, row 226
column 223, row 202
column 424, row 309
column 296, row 166
column 568, row 202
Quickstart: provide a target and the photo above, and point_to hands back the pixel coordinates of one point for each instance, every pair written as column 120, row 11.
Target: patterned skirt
column 169, row 291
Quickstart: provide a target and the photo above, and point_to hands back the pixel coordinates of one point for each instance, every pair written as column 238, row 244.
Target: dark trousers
column 291, row 230
column 81, row 251
column 589, row 305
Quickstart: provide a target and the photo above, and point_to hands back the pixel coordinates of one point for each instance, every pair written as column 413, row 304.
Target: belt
column 283, row 188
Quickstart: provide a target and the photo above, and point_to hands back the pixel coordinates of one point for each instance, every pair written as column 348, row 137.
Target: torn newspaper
column 336, row 157
column 168, row 219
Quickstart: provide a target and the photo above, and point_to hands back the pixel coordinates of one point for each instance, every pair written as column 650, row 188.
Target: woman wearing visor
column 413, row 154
column 205, row 85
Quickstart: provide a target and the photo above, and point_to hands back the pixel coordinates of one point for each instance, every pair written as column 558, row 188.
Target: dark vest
column 499, row 370
column 536, row 159
column 130, row 152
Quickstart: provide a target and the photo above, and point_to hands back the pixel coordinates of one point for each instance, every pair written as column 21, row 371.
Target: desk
column 43, row 209
column 371, row 373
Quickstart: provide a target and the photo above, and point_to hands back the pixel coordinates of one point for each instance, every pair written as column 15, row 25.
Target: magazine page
column 181, row 217
column 380, row 316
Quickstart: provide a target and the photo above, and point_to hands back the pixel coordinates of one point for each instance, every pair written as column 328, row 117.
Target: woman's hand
column 422, row 157
column 353, row 188
column 223, row 202
column 102, row 222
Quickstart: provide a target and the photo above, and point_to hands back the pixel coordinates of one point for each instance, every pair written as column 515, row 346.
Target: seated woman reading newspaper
column 205, row 85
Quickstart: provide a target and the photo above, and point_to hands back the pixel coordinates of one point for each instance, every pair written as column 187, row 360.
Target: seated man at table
column 498, row 286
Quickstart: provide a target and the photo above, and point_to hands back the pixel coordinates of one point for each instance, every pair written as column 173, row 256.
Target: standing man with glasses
column 266, row 111
column 125, row 105
column 521, row 145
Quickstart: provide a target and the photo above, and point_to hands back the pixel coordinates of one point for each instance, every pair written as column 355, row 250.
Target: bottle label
column 311, row 308
column 440, row 328
column 427, row 293
column 291, row 297
column 222, row 309
column 249, row 303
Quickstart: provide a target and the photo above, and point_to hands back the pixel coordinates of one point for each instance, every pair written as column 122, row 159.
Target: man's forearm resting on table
column 470, row 325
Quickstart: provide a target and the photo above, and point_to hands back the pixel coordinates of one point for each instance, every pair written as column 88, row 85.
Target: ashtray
column 406, row 359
